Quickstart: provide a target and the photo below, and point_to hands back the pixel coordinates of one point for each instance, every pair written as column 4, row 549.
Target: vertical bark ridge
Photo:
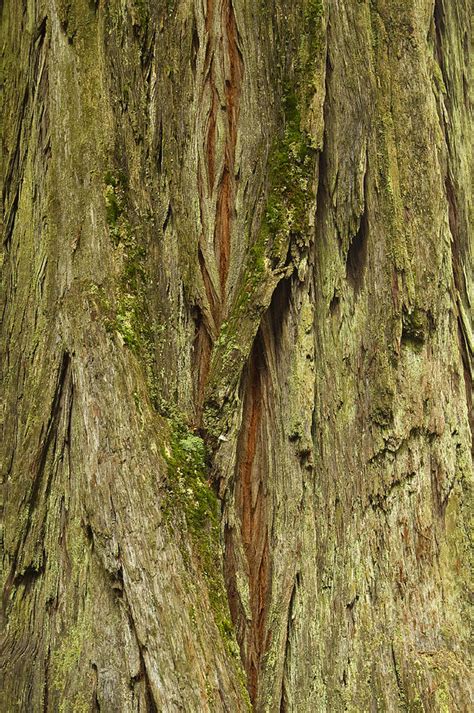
column 223, row 69
column 250, row 543
column 233, row 69
column 40, row 490
column 79, row 246
column 450, row 101
column 222, row 72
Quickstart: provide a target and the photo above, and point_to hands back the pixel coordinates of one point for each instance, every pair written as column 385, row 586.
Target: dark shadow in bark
column 357, row 255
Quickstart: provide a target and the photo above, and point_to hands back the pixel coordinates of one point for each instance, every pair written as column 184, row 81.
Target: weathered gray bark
column 237, row 261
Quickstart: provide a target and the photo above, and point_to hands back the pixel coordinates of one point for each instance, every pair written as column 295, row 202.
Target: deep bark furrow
column 251, row 506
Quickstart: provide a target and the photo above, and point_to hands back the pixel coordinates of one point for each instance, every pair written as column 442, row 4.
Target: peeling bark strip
column 223, row 72
column 35, row 85
column 29, row 558
column 233, row 69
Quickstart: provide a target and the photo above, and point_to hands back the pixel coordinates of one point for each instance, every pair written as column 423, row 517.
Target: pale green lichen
column 66, row 659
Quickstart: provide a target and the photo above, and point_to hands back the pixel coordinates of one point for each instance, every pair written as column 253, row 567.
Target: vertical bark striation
column 220, row 92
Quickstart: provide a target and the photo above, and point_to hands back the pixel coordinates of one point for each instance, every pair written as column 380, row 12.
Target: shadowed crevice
column 357, row 256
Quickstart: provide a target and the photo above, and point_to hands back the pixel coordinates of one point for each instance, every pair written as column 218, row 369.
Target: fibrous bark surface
column 237, row 351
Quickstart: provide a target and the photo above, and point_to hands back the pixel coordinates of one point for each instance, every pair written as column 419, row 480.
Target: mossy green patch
column 127, row 314
column 291, row 170
column 312, row 47
column 254, row 274
column 414, row 323
column 190, row 493
column 114, row 195
column 285, row 230
column 66, row 659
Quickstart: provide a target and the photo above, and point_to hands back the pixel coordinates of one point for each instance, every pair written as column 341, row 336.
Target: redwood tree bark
column 237, row 355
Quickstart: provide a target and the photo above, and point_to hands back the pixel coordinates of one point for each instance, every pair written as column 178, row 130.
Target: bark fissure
column 251, row 505
column 283, row 707
column 357, row 254
column 253, row 495
column 457, row 218
column 142, row 674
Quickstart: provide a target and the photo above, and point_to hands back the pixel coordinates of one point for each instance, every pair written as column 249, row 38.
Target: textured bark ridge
column 237, row 351
column 221, row 67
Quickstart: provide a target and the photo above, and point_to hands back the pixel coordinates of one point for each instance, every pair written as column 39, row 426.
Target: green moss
column 284, row 231
column 112, row 206
column 66, row 659
column 414, row 324
column 114, row 197
column 280, row 245
column 255, row 270
column 191, row 493
column 442, row 699
column 187, row 479
column 140, row 14
column 312, row 47
column 127, row 314
column 291, row 169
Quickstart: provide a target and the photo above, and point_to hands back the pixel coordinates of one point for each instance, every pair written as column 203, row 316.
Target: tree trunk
column 237, row 344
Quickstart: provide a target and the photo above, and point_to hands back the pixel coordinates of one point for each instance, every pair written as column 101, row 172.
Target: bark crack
column 251, row 504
